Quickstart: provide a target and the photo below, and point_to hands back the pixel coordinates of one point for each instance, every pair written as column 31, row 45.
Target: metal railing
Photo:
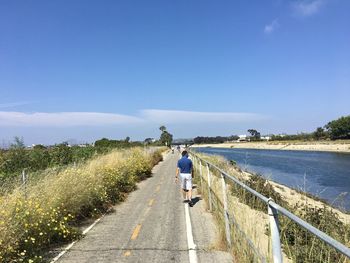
column 272, row 208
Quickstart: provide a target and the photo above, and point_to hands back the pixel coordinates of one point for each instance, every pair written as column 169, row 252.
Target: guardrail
column 272, row 208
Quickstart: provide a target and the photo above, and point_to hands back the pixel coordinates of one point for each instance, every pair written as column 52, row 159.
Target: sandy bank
column 323, row 146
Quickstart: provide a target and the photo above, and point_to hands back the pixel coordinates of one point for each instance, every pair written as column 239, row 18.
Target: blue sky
column 90, row 69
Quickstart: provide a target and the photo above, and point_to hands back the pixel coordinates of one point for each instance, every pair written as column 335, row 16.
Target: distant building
column 243, row 138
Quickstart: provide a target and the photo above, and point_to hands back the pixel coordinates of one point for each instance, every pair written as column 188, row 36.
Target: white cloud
column 14, row 104
column 176, row 117
column 144, row 118
column 64, row 119
column 268, row 29
column 308, row 7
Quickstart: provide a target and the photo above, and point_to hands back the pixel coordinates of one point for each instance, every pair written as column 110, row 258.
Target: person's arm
column 177, row 172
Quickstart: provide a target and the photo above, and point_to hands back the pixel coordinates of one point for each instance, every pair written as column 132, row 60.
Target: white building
column 243, row 138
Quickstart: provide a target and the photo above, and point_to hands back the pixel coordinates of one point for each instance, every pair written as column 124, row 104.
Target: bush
column 16, row 159
column 303, row 246
column 340, row 128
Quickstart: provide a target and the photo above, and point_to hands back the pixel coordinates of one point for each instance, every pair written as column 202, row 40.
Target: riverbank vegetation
column 338, row 129
column 48, row 211
column 250, row 231
column 216, row 139
column 18, row 158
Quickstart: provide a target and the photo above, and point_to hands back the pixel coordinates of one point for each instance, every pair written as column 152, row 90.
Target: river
column 323, row 174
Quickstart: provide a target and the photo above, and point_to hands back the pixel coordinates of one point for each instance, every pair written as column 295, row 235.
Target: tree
column 127, row 139
column 255, row 134
column 319, row 133
column 102, row 143
column 166, row 138
column 18, row 143
column 148, row 140
column 61, row 154
column 16, row 157
column 39, row 157
column 339, row 129
column 39, row 147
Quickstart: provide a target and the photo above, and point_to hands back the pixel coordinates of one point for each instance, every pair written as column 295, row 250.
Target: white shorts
column 186, row 181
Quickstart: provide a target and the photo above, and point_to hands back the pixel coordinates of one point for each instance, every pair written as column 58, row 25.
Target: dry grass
column 48, row 211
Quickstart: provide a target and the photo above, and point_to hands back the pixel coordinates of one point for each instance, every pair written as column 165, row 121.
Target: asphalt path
column 152, row 225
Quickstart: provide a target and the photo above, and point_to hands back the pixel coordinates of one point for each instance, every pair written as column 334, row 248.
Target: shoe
column 186, row 201
column 190, row 203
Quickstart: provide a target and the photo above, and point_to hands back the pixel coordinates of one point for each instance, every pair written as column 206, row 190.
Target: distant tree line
column 216, row 139
column 333, row 130
column 104, row 145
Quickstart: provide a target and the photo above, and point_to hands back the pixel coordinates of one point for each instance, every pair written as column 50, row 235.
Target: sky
column 86, row 69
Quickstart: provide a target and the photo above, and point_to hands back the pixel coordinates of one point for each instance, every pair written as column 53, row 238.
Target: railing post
column 209, row 188
column 194, row 162
column 227, row 222
column 24, row 182
column 23, row 177
column 275, row 235
column 201, row 175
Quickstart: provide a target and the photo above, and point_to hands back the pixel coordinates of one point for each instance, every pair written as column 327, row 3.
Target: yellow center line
column 127, row 253
column 136, row 232
column 150, row 203
column 145, row 214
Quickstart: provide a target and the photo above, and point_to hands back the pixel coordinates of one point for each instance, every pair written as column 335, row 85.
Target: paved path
column 150, row 226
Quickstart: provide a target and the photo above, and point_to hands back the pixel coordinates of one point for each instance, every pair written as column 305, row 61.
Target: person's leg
column 189, row 194
column 185, row 195
column 189, row 188
column 183, row 186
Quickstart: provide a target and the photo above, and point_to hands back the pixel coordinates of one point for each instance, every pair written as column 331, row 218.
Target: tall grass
column 48, row 211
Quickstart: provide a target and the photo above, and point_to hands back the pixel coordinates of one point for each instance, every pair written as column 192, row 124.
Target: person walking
column 185, row 171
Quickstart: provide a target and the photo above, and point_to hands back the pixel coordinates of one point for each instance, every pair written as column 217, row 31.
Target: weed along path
column 152, row 225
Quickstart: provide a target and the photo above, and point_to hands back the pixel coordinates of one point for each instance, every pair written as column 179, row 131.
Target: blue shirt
column 185, row 165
